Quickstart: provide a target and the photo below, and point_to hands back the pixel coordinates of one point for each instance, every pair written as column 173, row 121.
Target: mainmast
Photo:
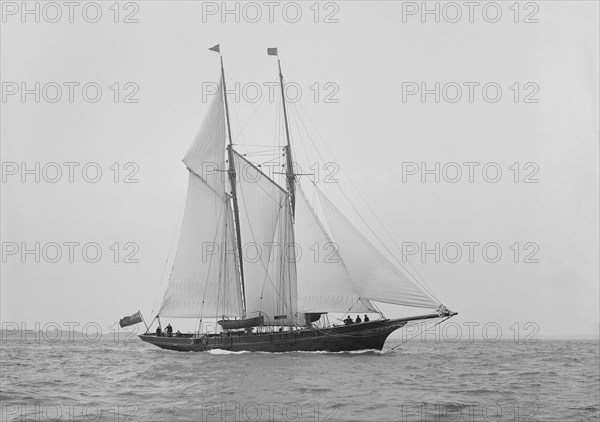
column 232, row 181
column 289, row 171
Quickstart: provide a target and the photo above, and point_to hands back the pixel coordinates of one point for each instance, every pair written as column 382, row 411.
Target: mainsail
column 266, row 227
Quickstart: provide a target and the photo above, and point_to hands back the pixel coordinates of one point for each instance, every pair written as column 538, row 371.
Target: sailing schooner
column 277, row 301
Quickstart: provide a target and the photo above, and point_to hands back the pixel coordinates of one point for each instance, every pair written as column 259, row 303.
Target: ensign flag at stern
column 131, row 320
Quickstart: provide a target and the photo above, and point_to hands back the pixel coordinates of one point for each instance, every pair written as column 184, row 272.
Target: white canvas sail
column 324, row 282
column 205, row 157
column 281, row 296
column 375, row 276
column 269, row 275
column 204, row 281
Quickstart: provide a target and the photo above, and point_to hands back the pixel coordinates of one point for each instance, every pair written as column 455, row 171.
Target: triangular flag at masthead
column 272, row 51
column 216, row 49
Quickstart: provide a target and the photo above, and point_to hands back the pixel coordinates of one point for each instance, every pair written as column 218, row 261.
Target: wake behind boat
column 278, row 301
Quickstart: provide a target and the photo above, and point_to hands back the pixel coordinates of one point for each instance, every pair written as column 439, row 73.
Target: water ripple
column 549, row 381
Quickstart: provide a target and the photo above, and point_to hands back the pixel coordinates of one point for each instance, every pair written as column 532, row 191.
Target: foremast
column 232, row 181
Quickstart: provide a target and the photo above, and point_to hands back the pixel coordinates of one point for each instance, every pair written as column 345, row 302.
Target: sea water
column 418, row 381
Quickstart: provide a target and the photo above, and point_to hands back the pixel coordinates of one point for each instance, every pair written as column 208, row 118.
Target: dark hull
column 362, row 336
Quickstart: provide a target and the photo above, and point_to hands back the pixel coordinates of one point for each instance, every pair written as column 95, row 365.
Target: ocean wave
column 167, row 385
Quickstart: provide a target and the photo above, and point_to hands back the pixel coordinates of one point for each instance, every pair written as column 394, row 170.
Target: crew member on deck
column 358, row 320
column 366, row 319
column 348, row 320
column 169, row 330
column 158, row 331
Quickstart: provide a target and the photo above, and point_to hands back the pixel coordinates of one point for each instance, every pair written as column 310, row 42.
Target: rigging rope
column 410, row 338
column 255, row 111
column 223, row 207
column 171, row 247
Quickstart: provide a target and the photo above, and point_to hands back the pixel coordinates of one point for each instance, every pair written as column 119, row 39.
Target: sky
column 502, row 99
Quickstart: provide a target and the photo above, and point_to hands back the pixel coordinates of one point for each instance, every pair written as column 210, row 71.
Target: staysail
column 375, row 277
column 325, row 285
column 205, row 281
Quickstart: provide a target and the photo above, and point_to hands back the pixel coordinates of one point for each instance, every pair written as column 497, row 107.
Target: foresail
column 266, row 229
column 204, row 281
column 205, row 156
column 324, row 283
column 375, row 276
